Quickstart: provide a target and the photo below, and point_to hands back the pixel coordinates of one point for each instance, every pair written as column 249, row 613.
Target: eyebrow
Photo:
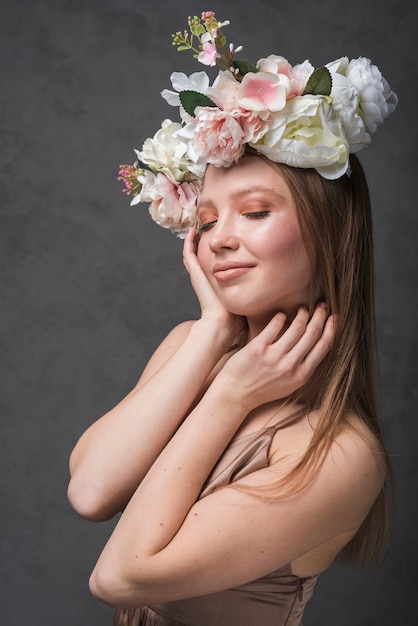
column 239, row 193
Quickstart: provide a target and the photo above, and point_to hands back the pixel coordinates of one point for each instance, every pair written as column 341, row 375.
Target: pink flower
column 214, row 136
column 209, row 54
column 224, row 91
column 172, row 205
column 254, row 124
column 298, row 74
column 275, row 64
column 263, row 91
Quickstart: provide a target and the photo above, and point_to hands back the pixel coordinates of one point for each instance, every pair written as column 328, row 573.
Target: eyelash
column 257, row 215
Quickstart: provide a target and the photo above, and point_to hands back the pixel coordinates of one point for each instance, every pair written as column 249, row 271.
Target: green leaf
column 192, row 99
column 180, row 48
column 221, row 41
column 198, row 29
column 142, row 166
column 245, row 67
column 319, row 83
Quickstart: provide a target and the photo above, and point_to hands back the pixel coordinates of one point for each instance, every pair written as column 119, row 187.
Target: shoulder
column 176, row 336
column 356, row 444
column 354, row 470
column 347, row 479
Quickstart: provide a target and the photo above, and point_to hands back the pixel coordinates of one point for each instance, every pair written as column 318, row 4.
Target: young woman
column 249, row 455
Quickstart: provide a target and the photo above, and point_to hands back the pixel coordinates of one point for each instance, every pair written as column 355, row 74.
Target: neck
column 257, row 324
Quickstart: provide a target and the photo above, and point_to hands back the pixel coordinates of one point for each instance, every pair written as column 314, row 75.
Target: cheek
column 282, row 242
column 203, row 256
column 287, row 248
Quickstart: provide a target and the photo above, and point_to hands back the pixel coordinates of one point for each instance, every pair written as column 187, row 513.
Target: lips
column 231, row 269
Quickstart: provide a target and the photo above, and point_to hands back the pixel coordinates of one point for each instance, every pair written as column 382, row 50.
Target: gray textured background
column 89, row 286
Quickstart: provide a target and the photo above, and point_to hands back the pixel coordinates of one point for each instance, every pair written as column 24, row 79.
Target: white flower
column 376, row 99
column 199, row 81
column 307, row 134
column 345, row 102
column 167, row 154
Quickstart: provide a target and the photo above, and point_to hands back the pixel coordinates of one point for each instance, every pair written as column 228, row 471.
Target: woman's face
column 250, row 247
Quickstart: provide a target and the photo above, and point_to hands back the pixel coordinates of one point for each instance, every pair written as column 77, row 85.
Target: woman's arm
column 114, row 454
column 167, row 545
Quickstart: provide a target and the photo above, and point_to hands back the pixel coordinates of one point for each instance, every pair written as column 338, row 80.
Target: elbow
column 88, row 503
column 111, row 589
column 102, row 587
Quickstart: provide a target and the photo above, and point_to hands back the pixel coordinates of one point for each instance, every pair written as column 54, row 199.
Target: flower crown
column 297, row 115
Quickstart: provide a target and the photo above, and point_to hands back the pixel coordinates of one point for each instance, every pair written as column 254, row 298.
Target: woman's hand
column 277, row 362
column 210, row 304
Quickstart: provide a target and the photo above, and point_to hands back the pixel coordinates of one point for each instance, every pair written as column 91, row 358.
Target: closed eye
column 257, row 215
column 201, row 228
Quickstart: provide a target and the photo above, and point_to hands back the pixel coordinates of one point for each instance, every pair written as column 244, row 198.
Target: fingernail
column 323, row 305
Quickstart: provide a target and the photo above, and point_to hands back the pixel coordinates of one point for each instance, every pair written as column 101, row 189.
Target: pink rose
column 172, row 205
column 254, row 124
column 224, row 91
column 214, row 136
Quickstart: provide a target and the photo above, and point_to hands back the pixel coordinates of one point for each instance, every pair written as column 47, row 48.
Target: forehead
column 251, row 174
column 250, row 170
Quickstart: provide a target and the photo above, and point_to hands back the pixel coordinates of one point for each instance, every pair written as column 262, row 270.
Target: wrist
column 214, row 333
column 233, row 392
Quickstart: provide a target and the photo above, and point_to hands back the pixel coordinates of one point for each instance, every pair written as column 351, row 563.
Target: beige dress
column 277, row 599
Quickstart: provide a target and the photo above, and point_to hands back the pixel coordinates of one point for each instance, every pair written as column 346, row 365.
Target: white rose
column 306, row 133
column 376, row 99
column 345, row 102
column 167, row 154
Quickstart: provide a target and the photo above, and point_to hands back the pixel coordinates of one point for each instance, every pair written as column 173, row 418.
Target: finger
column 294, row 332
column 303, row 333
column 321, row 347
column 188, row 248
column 310, row 334
column 272, row 330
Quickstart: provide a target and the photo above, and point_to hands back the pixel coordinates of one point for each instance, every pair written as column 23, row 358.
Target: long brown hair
column 336, row 224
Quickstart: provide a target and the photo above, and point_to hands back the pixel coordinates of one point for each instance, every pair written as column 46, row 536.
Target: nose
column 223, row 235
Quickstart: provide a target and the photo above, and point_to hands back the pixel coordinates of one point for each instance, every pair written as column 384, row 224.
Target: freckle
column 261, row 551
column 195, row 514
column 161, row 524
column 179, row 468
